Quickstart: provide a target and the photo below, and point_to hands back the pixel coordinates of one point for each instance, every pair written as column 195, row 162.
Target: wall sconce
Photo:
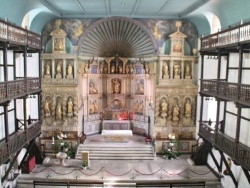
column 209, row 98
column 32, row 96
column 28, row 54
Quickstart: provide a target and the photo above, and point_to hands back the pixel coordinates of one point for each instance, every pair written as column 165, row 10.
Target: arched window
column 215, row 24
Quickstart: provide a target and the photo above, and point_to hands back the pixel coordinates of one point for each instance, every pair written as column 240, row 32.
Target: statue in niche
column 188, row 109
column 140, row 107
column 177, row 47
column 91, row 107
column 59, row 68
column 58, row 45
column 176, row 113
column 70, row 69
column 112, row 69
column 127, row 69
column 95, row 107
column 105, row 69
column 165, row 70
column 120, row 69
column 147, row 69
column 116, row 86
column 132, row 69
column 70, row 107
column 187, row 70
column 47, row 108
column 101, row 68
column 92, row 89
column 136, row 106
column 176, row 71
column 58, row 111
column 164, row 108
column 47, row 69
column 140, row 88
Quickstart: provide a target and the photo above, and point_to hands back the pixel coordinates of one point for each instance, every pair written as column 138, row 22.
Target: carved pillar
column 64, row 73
column 161, row 67
column 182, row 69
column 75, row 69
column 192, row 72
column 53, row 68
column 171, row 69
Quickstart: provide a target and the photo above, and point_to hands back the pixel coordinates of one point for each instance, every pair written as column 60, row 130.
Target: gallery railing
column 228, row 36
column 237, row 151
column 18, row 140
column 17, row 88
column 226, row 90
column 14, row 34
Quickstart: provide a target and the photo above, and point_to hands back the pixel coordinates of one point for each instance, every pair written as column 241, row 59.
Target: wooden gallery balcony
column 237, row 93
column 18, row 140
column 237, row 151
column 229, row 37
column 19, row 36
column 19, row 88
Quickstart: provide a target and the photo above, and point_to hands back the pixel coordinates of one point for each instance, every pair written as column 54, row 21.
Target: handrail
column 232, row 35
column 237, row 151
column 227, row 90
column 18, row 140
column 16, row 88
column 14, row 34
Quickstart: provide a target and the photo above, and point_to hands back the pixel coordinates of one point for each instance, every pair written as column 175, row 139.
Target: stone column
column 171, row 69
column 182, row 69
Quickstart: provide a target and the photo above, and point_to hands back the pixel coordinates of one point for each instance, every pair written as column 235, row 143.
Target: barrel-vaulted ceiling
column 117, row 35
column 197, row 12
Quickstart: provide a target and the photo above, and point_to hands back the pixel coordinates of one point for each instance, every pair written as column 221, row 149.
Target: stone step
column 113, row 152
column 122, row 158
column 118, row 152
column 115, row 149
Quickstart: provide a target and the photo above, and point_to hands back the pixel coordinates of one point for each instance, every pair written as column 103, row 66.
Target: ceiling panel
column 94, row 7
column 122, row 7
column 129, row 8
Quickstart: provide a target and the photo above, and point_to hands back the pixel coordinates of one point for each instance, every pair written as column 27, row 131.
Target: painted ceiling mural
column 158, row 30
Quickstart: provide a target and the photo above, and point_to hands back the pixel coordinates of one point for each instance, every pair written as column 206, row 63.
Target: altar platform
column 157, row 171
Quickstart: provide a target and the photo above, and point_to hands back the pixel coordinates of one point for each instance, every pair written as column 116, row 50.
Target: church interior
column 126, row 93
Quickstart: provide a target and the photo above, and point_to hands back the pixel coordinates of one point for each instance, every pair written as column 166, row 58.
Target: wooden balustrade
column 19, row 35
column 18, row 140
column 225, row 143
column 237, row 151
column 226, row 90
column 17, row 88
column 233, row 35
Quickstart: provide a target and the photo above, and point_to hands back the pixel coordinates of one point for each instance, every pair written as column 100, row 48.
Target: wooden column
column 237, row 134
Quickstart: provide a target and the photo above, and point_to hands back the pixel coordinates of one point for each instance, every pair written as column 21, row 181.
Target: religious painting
column 184, row 146
column 48, row 146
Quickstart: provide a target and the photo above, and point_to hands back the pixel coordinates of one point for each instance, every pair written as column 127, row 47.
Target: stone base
column 58, row 76
column 69, row 76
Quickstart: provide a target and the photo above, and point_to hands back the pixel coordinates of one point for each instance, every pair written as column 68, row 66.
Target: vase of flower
column 84, row 164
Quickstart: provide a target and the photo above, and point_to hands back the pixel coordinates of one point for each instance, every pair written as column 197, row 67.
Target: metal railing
column 18, row 140
column 14, row 34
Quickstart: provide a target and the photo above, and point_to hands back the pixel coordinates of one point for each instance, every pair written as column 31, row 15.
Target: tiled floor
column 158, row 169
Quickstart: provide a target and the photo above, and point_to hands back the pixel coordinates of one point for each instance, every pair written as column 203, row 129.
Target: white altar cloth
column 117, row 135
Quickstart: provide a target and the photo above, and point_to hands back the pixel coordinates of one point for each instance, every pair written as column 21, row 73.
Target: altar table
column 117, row 135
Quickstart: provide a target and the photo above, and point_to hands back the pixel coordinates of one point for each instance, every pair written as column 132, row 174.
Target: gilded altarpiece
column 59, row 99
column 175, row 96
column 115, row 97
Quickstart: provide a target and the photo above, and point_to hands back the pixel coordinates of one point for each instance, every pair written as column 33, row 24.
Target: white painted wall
column 230, row 124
